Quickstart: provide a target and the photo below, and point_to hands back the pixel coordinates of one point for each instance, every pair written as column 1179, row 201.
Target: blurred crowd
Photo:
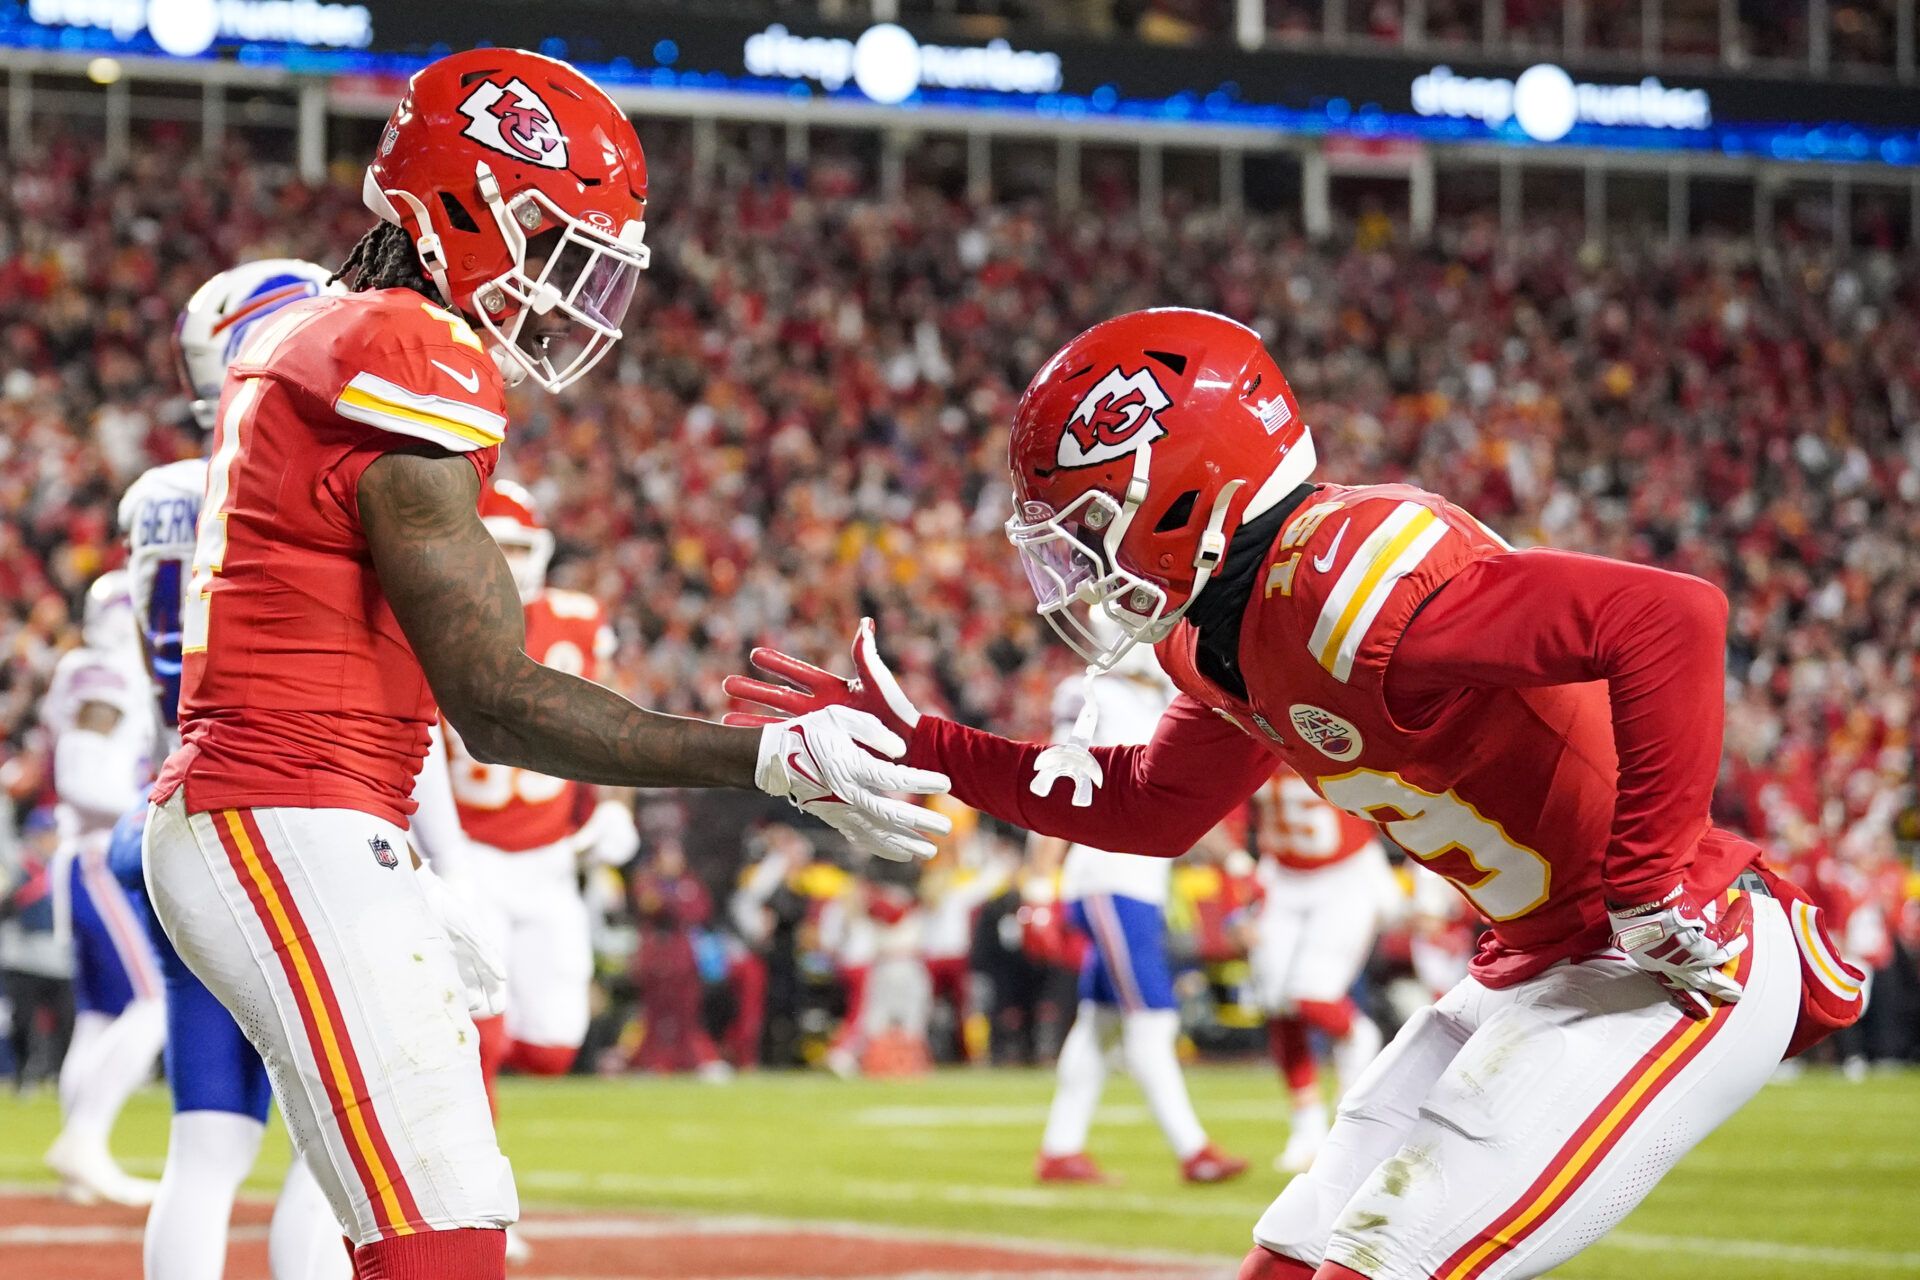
column 807, row 423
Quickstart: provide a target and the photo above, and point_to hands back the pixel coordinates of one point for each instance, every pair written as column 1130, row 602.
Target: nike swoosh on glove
column 837, row 764
column 1684, row 945
column 476, row 954
column 872, row 687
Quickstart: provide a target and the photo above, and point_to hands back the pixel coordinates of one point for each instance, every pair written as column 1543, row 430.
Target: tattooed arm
column 453, row 594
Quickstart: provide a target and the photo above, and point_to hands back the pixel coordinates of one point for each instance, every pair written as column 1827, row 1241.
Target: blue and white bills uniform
column 160, row 515
column 1119, row 900
column 99, row 772
column 210, row 1064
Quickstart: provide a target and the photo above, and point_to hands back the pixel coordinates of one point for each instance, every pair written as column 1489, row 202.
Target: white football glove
column 837, row 763
column 1682, row 946
column 476, row 953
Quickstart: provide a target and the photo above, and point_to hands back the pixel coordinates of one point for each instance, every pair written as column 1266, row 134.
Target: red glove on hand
column 1676, row 941
column 872, row 688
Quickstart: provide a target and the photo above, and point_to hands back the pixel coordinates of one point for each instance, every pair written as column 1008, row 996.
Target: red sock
column 541, row 1059
column 1264, row 1264
column 469, row 1253
column 1287, row 1041
column 1335, row 1017
column 493, row 1051
column 1334, row 1271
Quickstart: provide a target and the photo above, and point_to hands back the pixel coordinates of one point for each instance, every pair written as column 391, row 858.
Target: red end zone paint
column 41, row 1235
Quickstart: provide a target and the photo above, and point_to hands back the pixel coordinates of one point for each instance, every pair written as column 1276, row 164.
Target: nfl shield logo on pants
column 383, row 852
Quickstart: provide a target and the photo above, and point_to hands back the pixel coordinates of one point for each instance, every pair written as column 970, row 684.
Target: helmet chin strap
column 433, row 259
column 1213, row 549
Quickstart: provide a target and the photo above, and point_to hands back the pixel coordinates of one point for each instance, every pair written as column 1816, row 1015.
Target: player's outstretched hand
column 871, row 689
column 838, row 763
column 1674, row 941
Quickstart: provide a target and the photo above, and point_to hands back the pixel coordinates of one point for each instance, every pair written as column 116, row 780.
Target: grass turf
column 1815, row 1178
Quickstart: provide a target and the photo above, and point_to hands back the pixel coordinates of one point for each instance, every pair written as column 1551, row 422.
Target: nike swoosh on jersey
column 470, row 380
column 1325, row 562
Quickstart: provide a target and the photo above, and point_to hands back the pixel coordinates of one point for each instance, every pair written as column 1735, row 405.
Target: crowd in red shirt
column 807, row 423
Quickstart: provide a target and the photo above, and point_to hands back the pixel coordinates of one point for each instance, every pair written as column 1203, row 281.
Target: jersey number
column 491, row 787
column 1504, row 880
column 1302, row 824
column 210, row 548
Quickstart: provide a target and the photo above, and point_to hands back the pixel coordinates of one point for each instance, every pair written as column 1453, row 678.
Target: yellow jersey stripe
column 331, row 1060
column 377, row 412
column 1376, row 579
column 1344, row 586
column 1349, row 648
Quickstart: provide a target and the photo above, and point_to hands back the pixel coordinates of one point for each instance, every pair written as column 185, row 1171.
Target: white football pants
column 1505, row 1130
column 310, row 927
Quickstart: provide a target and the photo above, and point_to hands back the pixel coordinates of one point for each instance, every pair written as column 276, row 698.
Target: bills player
column 96, row 714
column 1325, row 881
column 528, row 832
column 1118, row 902
column 217, row 1081
column 345, row 592
column 1541, row 728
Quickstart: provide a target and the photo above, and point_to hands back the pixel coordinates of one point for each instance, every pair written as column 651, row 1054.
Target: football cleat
column 1210, row 1164
column 1078, row 1167
column 88, row 1175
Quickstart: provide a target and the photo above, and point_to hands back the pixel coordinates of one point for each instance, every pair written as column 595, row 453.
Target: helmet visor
column 1099, row 609
column 568, row 307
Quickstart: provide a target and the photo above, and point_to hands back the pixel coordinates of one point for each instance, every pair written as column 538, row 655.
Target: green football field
column 1816, row 1178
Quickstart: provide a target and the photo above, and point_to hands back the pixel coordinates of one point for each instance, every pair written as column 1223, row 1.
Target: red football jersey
column 1300, row 831
column 517, row 809
column 1508, row 792
column 299, row 688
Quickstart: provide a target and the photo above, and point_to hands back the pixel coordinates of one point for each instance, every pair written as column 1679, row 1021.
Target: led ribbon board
column 891, row 68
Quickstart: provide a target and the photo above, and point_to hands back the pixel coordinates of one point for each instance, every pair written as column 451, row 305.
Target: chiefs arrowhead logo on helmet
column 1114, row 419
column 514, row 120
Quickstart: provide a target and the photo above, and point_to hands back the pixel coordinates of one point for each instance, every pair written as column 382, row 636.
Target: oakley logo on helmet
column 1114, row 419
column 514, row 120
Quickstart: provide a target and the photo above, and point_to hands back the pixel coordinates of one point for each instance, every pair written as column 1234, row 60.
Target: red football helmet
column 1137, row 450
column 491, row 149
column 511, row 516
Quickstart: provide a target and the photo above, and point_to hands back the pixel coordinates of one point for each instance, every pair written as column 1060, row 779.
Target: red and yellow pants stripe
column 326, row 1030
column 1589, row 1145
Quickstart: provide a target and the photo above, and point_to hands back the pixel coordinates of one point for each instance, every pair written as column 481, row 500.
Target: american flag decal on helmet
column 1274, row 414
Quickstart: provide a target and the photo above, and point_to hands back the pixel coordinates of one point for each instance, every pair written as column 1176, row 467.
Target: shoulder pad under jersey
column 391, row 360
column 1355, row 550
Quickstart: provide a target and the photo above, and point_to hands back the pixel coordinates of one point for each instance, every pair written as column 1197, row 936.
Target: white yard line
column 1010, row 1115
column 81, row 1236
column 1763, row 1250
column 568, row 1226
column 1205, row 1204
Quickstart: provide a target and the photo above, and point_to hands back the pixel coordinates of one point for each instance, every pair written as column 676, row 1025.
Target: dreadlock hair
column 385, row 259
